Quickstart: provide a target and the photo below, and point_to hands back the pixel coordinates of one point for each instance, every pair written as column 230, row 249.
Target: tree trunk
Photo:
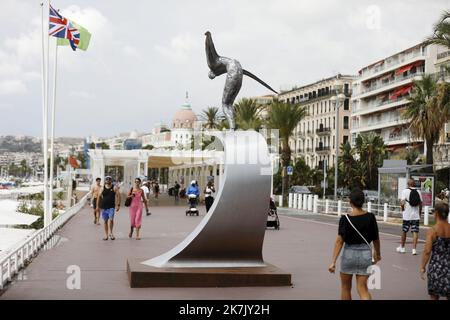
column 430, row 144
column 285, row 159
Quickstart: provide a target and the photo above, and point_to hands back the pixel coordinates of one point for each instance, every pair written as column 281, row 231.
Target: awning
column 401, row 91
column 407, row 67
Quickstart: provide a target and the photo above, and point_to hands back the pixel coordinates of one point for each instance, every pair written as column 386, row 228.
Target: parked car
column 300, row 189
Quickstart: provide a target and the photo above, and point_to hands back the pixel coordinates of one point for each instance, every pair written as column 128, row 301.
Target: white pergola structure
column 184, row 165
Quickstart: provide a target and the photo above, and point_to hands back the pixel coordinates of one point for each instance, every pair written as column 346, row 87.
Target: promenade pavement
column 303, row 247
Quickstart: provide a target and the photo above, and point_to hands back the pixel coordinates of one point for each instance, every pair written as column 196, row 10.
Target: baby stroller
column 192, row 205
column 272, row 218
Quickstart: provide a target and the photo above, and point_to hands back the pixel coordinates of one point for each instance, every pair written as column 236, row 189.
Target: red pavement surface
column 302, row 247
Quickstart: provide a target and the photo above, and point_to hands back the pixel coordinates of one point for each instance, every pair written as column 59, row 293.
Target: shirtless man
column 95, row 192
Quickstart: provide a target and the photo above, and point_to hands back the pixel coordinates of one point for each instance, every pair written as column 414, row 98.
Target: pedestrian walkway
column 302, row 247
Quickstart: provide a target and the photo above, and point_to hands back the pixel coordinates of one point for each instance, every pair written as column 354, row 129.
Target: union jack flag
column 60, row 27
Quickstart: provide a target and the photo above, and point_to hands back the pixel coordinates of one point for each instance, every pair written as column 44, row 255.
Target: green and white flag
column 85, row 38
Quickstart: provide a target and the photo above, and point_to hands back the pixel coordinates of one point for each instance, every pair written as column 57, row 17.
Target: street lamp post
column 338, row 99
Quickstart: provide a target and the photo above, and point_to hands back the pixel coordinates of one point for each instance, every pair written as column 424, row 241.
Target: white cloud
column 179, row 49
column 82, row 94
column 12, row 87
column 132, row 52
column 145, row 59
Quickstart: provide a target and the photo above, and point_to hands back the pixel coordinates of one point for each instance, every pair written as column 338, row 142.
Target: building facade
column 314, row 138
column 184, row 123
column 381, row 92
column 160, row 137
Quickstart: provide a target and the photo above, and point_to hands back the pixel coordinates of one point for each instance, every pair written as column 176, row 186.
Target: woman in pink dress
column 138, row 199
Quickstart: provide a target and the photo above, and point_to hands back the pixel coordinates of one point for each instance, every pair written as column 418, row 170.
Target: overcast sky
column 144, row 55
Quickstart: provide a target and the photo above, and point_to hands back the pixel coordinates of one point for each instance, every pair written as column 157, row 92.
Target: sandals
column 106, row 238
column 112, row 237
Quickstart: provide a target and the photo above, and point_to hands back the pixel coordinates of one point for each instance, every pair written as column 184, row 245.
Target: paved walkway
column 302, row 247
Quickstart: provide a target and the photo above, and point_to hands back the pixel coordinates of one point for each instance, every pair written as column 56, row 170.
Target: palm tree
column 347, row 164
column 428, row 111
column 372, row 152
column 285, row 118
column 441, row 31
column 212, row 117
column 248, row 114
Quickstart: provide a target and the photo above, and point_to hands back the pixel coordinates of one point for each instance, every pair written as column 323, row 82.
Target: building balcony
column 301, row 135
column 390, row 86
column 323, row 131
column 383, row 123
column 323, row 149
column 308, row 149
column 395, row 80
column 392, row 65
column 378, row 106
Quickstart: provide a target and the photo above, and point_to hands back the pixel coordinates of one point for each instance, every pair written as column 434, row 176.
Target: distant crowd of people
column 106, row 199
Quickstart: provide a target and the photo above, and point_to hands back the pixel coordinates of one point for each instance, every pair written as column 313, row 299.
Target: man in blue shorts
column 109, row 203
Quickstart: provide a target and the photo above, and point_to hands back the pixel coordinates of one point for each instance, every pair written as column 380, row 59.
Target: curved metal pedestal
column 230, row 237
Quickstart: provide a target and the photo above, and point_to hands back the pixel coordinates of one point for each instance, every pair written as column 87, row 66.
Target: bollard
column 294, row 201
column 310, row 202
column 339, row 208
column 425, row 216
column 327, row 206
column 369, row 206
column 299, row 201
column 290, row 200
column 280, row 201
column 385, row 212
column 316, row 203
column 305, row 202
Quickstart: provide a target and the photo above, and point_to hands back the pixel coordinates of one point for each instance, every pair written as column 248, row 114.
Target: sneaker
column 401, row 249
column 414, row 252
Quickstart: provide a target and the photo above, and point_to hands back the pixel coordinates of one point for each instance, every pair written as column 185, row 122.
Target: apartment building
column 441, row 151
column 381, row 91
column 314, row 138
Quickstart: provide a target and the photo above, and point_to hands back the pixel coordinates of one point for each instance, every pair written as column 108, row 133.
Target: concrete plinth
column 143, row 276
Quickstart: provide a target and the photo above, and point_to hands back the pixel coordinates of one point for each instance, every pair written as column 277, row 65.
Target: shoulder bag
column 128, row 200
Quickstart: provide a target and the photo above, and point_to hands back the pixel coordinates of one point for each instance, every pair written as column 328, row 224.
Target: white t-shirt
column 146, row 191
column 410, row 213
column 209, row 192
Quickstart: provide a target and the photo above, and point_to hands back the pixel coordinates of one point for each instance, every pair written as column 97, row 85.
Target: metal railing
column 323, row 131
column 312, row 204
column 24, row 251
column 380, row 84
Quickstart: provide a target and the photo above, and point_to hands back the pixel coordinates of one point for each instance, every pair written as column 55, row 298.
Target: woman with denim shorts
column 356, row 231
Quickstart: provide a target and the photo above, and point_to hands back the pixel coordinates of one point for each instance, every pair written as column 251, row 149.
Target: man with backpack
column 411, row 204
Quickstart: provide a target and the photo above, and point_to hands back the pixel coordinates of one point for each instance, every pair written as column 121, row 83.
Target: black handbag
column 129, row 199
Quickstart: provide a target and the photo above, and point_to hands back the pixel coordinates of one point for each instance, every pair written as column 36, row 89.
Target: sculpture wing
column 251, row 75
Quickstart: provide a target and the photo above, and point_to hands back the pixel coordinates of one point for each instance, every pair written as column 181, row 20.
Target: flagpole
column 44, row 118
column 52, row 135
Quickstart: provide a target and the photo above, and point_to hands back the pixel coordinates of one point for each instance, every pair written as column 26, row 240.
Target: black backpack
column 414, row 198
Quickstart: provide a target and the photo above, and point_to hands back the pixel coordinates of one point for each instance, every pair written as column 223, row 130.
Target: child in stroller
column 272, row 218
column 193, row 194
